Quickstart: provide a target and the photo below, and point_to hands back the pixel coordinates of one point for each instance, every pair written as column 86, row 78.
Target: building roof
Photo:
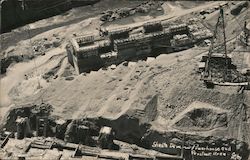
column 103, row 43
column 132, row 38
column 202, row 34
column 141, row 36
column 85, row 39
column 179, row 37
column 89, row 47
column 202, row 64
column 119, row 30
column 178, row 26
column 106, row 130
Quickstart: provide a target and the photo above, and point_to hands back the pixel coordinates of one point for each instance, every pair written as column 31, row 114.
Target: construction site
column 129, row 80
column 114, row 46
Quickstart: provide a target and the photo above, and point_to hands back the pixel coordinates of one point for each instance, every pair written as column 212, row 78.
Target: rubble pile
column 41, row 46
column 213, row 9
column 145, row 7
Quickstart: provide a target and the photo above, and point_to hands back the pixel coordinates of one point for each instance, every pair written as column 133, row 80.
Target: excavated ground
column 164, row 92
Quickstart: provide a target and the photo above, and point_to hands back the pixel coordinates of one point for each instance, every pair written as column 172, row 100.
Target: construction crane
column 215, row 46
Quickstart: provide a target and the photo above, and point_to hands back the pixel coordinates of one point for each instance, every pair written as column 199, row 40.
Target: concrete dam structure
column 113, row 46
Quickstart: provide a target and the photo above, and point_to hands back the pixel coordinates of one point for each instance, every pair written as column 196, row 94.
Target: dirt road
column 173, row 14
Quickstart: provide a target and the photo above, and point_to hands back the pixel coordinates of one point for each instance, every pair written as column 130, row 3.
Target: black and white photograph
column 124, row 80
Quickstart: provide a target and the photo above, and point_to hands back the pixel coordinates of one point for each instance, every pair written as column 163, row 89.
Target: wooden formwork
column 4, row 140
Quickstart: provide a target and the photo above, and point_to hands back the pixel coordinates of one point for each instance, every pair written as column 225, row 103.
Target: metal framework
column 220, row 24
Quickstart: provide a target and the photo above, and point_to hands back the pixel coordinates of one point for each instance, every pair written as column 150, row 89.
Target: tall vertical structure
column 23, row 127
column 42, row 126
column 217, row 51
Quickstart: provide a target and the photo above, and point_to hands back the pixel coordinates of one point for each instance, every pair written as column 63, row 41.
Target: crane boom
column 219, row 25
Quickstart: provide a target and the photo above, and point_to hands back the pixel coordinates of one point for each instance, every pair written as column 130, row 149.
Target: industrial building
column 114, row 46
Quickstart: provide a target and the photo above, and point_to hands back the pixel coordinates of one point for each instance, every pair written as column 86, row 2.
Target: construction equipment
column 220, row 22
column 219, row 69
column 217, row 61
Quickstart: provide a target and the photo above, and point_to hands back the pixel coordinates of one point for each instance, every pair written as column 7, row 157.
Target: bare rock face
column 29, row 11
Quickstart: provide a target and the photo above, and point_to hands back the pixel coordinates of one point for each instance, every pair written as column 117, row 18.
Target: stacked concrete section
column 90, row 52
column 119, row 33
column 200, row 35
column 150, row 27
column 180, row 40
column 133, row 46
column 84, row 54
column 179, row 29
